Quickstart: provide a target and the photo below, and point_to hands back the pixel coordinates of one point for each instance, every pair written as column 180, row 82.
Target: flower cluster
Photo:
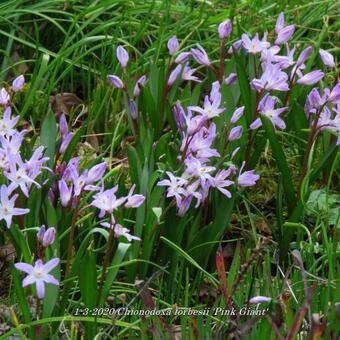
column 198, row 134
column 39, row 274
column 73, row 182
column 116, row 81
column 107, row 202
column 19, row 172
column 323, row 111
column 280, row 72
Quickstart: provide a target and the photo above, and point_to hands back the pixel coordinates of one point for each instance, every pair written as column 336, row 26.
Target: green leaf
column 48, row 136
column 112, row 273
column 282, row 164
column 158, row 212
column 88, row 278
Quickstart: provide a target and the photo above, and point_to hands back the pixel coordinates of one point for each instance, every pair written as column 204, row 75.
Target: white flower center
column 38, row 273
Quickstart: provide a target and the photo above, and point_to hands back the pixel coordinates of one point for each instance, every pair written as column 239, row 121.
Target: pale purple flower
column 200, row 55
column 188, row 72
column 115, row 81
column 65, row 192
column 273, row 78
column 283, row 33
column 19, row 174
column 175, row 185
column 184, row 204
column 247, row 178
column 215, row 90
column 4, row 97
column 46, row 236
column 259, row 299
column 138, row 86
column 7, row 204
column 13, row 142
column 327, row 58
column 269, row 55
column 81, row 182
column 304, row 55
column 182, row 57
column 325, row 121
column 198, row 169
column 96, row 173
column 200, row 143
column 280, row 22
column 122, row 56
column 174, row 74
column 39, row 274
column 334, row 96
column 66, row 136
column 119, row 230
column 311, row 78
column 179, row 116
column 190, row 191
column 235, row 47
column 224, row 29
column 220, row 182
column 254, row 45
column 231, row 79
column 36, row 163
column 286, row 61
column 7, row 124
column 133, row 109
column 173, row 45
column 18, row 83
column 106, row 201
column 266, row 108
column 211, row 107
column 314, row 101
column 134, row 201
column 255, row 124
column 237, row 115
column 235, row 133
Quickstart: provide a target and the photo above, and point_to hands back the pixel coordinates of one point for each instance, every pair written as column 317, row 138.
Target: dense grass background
column 66, row 49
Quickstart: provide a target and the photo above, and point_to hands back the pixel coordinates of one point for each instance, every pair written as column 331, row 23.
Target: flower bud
column 139, row 84
column 285, row 34
column 174, row 74
column 173, row 45
column 18, row 83
column 64, row 192
column 231, row 79
column 133, row 109
column 311, row 78
column 179, row 116
column 304, row 55
column 334, row 96
column 49, row 237
column 224, row 29
column 237, row 114
column 280, row 22
column 235, row 133
column 122, row 56
column 182, row 57
column 259, row 299
column 41, row 233
column 115, row 81
column 96, row 172
column 200, row 55
column 4, row 97
column 327, row 58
